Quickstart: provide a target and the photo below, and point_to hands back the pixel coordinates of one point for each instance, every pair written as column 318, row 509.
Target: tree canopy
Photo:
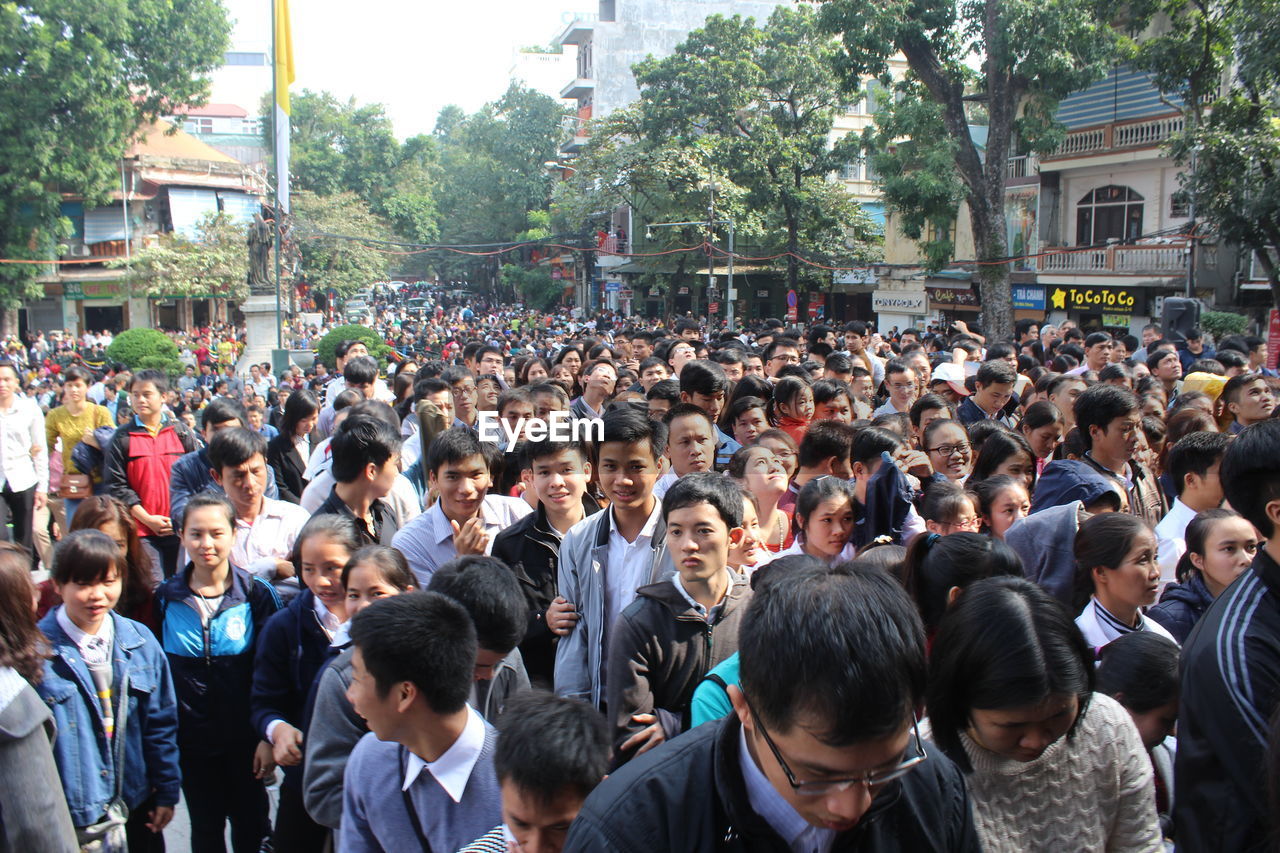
column 1018, row 58
column 329, row 260
column 77, row 81
column 216, row 262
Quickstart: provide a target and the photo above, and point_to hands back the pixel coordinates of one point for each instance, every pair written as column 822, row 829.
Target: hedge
column 142, row 349
column 377, row 347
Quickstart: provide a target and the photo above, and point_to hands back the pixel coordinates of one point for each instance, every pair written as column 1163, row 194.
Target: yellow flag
column 283, row 56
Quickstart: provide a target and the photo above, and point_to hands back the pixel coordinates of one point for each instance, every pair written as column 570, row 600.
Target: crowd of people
column 807, row 588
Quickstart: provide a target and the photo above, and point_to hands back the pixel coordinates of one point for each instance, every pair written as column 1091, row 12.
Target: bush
column 1220, row 324
column 377, row 347
column 142, row 349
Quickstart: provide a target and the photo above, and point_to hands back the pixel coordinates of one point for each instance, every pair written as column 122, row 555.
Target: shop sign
column 612, row 286
column 713, row 308
column 1116, row 300
column 899, row 302
column 684, row 291
column 1028, row 297
column 816, row 303
column 762, row 294
column 90, row 290
column 950, row 296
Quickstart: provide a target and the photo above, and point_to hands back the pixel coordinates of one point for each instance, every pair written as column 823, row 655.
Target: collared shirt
column 328, row 621
column 269, row 538
column 1171, row 542
column 427, row 541
column 92, row 646
column 713, row 616
column 384, row 520
column 798, row 833
column 628, row 567
column 22, row 428
column 664, row 484
column 452, row 770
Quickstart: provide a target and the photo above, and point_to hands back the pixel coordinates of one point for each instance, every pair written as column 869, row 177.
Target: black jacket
column 688, row 795
column 1181, row 606
column 1230, row 687
column 288, row 465
column 531, row 547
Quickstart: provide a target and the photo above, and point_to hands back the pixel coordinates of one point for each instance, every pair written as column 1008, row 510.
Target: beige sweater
column 1093, row 791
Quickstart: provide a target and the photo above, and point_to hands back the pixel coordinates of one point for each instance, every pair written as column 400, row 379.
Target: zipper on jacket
column 206, row 635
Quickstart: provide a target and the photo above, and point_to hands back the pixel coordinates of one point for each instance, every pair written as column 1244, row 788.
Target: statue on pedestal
column 260, row 241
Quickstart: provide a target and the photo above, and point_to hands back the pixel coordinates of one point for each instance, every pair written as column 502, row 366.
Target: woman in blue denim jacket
column 112, row 698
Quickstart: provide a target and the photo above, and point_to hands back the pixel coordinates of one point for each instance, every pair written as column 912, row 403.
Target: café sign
column 945, row 297
column 1112, row 300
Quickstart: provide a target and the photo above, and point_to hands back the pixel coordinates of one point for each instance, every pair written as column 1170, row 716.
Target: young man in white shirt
column 604, row 559
column 24, row 456
column 466, row 518
column 265, row 529
column 1193, row 464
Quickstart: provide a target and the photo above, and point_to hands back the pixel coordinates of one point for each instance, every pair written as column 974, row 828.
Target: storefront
column 1119, row 310
column 904, row 309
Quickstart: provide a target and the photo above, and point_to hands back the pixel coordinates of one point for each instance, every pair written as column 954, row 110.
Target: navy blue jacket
column 293, row 649
column 191, row 474
column 86, row 759
column 213, row 665
column 1181, row 607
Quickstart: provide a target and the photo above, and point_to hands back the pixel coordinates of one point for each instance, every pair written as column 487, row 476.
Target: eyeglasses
column 952, row 449
column 787, row 357
column 913, row 755
column 971, row 524
column 904, row 388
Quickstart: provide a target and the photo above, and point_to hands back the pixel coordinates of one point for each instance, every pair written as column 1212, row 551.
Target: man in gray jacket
column 605, row 558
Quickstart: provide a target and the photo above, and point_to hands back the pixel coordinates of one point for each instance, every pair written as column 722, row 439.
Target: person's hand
column 159, row 817
column 561, row 616
column 284, row 569
column 42, row 500
column 161, row 525
column 286, row 743
column 913, row 462
column 961, row 325
column 34, row 450
column 264, row 762
column 648, row 737
column 470, row 537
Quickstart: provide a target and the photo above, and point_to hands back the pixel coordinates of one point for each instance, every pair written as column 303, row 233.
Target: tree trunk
column 994, row 292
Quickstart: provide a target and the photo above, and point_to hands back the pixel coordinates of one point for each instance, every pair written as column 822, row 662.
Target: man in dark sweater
column 423, row 778
column 822, row 750
column 676, row 630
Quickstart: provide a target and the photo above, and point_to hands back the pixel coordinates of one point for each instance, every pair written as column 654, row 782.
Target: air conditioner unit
column 79, row 250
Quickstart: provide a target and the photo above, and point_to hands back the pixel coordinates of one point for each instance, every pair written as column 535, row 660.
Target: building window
column 1179, row 205
column 1109, row 213
column 198, row 125
column 251, row 126
column 851, row 172
column 233, row 57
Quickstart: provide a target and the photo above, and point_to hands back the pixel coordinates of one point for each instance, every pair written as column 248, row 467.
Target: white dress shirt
column 22, row 428
column 269, row 538
column 427, row 541
column 91, row 646
column 798, row 833
column 1171, row 540
column 628, row 567
column 664, row 484
column 452, row 770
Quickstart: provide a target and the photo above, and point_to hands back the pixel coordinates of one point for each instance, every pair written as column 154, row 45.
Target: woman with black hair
column 937, row 569
column 288, row 452
column 1050, row 764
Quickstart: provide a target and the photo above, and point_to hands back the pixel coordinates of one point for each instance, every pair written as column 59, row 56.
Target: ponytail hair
column 786, row 391
column 934, row 565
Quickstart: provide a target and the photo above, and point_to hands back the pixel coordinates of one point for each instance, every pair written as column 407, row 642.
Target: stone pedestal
column 260, row 327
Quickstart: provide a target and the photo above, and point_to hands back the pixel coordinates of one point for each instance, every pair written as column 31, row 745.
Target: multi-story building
column 169, row 182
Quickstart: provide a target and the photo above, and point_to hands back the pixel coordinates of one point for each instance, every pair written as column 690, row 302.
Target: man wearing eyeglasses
column 818, row 755
column 780, row 353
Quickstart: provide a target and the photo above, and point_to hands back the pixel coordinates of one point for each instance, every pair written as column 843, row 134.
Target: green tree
column 762, row 102
column 1221, row 61
column 330, row 260
column 533, row 283
column 1018, row 58
column 143, row 349
column 377, row 347
column 216, row 262
column 77, row 81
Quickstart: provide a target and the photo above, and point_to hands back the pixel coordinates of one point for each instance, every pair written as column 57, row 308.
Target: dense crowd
column 792, row 588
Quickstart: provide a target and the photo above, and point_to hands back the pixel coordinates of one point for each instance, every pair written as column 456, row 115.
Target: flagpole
column 275, row 156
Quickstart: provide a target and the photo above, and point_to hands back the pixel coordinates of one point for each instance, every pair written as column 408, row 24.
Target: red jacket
column 138, row 463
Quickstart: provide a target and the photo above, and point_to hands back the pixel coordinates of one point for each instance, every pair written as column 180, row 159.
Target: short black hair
column 231, row 448
column 824, row 440
column 627, row 426
column 703, row 377
column 451, row 446
column 531, row 451
column 1250, row 473
column 1021, row 327
column 89, row 556
column 362, row 439
column 706, row 487
column 839, row 363
column 686, row 410
column 996, row 372
column 424, row 638
column 873, row 441
column 1139, row 670
column 726, row 355
column 1004, row 643
column 667, row 389
column 1101, row 404
column 826, row 390
column 936, row 565
column 158, row 378
column 1195, row 453
column 205, row 499
column 456, row 373
column 490, row 593
column 222, row 410
column 361, row 370
column 928, row 403
column 550, row 745
column 851, row 644
column 653, row 361
column 778, row 343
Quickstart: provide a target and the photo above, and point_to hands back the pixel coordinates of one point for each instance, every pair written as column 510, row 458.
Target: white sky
column 414, row 56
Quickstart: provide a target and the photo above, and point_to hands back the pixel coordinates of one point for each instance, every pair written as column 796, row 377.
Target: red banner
column 1273, row 340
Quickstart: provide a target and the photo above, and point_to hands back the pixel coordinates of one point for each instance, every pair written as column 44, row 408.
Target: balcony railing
column 1165, row 259
column 1119, row 137
column 1023, row 166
